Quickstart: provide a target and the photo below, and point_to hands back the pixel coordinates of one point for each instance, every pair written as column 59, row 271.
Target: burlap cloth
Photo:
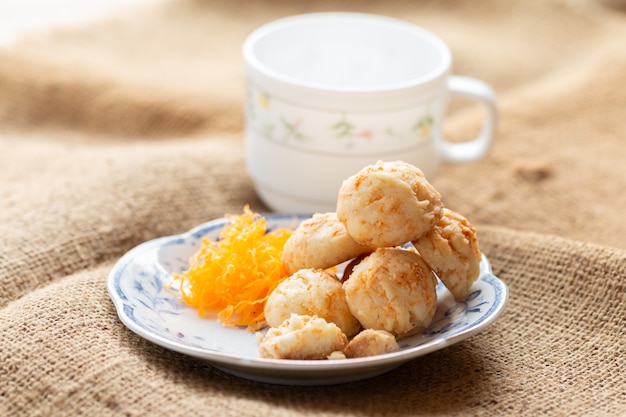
column 131, row 128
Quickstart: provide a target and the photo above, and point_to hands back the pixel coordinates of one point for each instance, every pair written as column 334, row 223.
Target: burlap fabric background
column 130, row 129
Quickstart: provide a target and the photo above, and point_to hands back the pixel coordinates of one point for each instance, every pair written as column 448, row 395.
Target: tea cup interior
column 346, row 51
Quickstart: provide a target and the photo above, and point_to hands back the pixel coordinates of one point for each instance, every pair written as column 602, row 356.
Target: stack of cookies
column 397, row 237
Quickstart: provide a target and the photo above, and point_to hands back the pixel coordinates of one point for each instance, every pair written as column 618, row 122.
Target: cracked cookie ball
column 302, row 337
column 311, row 292
column 388, row 204
column 371, row 342
column 450, row 248
column 320, row 242
column 392, row 289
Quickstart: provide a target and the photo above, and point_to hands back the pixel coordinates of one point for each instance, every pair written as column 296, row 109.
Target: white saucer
column 137, row 285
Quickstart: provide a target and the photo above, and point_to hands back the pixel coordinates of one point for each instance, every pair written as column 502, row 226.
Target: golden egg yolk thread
column 235, row 274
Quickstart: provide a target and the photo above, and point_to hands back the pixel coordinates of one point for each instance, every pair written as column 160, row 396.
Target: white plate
column 137, row 286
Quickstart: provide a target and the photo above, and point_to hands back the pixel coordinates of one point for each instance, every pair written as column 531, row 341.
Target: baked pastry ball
column 320, row 242
column 392, row 289
column 311, row 292
column 302, row 337
column 388, row 204
column 371, row 342
column 451, row 250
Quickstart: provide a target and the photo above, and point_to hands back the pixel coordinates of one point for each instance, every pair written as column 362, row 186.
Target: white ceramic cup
column 329, row 93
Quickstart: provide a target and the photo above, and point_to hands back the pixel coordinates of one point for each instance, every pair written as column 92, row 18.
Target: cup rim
column 264, row 74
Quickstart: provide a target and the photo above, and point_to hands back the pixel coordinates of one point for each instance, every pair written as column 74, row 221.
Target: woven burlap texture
column 558, row 350
column 130, row 129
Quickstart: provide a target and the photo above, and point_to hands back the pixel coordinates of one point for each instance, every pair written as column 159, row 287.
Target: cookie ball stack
column 393, row 229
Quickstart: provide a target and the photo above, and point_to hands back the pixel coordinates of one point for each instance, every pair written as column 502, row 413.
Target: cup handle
column 480, row 91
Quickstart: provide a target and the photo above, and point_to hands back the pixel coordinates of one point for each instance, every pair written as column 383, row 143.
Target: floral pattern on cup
column 280, row 121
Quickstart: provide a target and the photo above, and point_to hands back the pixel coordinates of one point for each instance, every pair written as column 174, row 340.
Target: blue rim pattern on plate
column 138, row 286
